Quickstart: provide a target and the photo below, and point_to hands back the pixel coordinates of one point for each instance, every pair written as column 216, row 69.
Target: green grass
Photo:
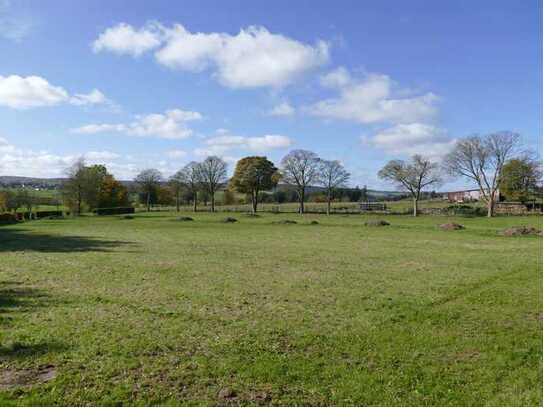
column 155, row 311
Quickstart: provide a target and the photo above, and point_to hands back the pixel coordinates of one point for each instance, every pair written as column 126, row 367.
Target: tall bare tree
column 148, row 182
column 189, row 176
column 481, row 159
column 177, row 184
column 332, row 175
column 212, row 173
column 73, row 187
column 300, row 169
column 412, row 176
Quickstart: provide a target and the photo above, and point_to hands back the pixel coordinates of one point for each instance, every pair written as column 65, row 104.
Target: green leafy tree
column 253, row 175
column 519, row 179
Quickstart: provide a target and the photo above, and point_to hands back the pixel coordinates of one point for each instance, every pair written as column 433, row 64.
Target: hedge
column 114, row 211
column 7, row 218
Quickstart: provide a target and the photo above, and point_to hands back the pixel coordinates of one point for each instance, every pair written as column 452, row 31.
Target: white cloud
column 282, row 109
column 221, row 144
column 413, row 138
column 21, row 93
column 95, row 97
column 169, row 125
column 373, row 99
column 252, row 58
column 124, row 39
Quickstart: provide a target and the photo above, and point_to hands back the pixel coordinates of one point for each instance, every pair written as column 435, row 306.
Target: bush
column 48, row 214
column 114, row 211
column 465, row 210
column 7, row 218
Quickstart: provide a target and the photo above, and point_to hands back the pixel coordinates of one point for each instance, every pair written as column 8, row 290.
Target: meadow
column 109, row 311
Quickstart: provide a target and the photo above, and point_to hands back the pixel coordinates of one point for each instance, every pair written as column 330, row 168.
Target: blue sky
column 137, row 84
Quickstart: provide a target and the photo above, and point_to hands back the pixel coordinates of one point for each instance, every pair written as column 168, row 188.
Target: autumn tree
column 481, row 160
column 212, row 173
column 300, row 169
column 412, row 176
column 333, row 175
column 148, row 182
column 253, row 175
column 112, row 193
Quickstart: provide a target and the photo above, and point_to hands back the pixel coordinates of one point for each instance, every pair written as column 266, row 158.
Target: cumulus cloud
column 413, row 138
column 282, row 109
column 223, row 143
column 21, row 93
column 124, row 39
column 252, row 58
column 169, row 125
column 372, row 99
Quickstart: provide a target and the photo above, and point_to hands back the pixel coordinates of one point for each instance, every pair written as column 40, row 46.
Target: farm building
column 470, row 195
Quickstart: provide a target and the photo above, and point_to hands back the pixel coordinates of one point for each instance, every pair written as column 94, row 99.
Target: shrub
column 7, row 218
column 114, row 211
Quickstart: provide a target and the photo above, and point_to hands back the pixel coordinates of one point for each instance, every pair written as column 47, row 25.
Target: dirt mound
column 285, row 222
column 184, row 219
column 451, row 226
column 26, row 377
column 313, row 222
column 229, row 220
column 521, row 231
column 126, row 217
column 376, row 223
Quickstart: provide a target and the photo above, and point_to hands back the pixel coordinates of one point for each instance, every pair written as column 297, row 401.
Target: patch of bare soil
column 229, row 220
column 521, row 231
column 10, row 378
column 376, row 223
column 451, row 226
column 285, row 222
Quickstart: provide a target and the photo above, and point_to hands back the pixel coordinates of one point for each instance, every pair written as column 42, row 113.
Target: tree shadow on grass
column 15, row 240
column 17, row 299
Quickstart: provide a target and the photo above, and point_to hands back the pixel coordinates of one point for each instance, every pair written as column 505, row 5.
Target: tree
column 332, row 175
column 177, row 184
column 190, row 177
column 112, row 193
column 148, row 182
column 25, row 200
column 253, row 175
column 520, row 178
column 413, row 176
column 93, row 179
column 481, row 159
column 212, row 173
column 73, row 187
column 300, row 169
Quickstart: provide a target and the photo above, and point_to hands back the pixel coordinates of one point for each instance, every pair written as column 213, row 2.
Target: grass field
column 154, row 311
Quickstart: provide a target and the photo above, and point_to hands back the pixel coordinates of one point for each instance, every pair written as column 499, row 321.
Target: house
column 469, row 195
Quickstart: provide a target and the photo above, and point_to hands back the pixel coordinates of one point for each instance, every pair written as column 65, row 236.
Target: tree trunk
column 302, row 199
column 195, row 203
column 177, row 202
column 490, row 208
column 328, row 203
column 148, row 201
column 254, row 200
column 213, row 201
column 415, row 206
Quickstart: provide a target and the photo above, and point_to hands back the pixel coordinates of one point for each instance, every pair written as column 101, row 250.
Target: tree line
column 494, row 162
